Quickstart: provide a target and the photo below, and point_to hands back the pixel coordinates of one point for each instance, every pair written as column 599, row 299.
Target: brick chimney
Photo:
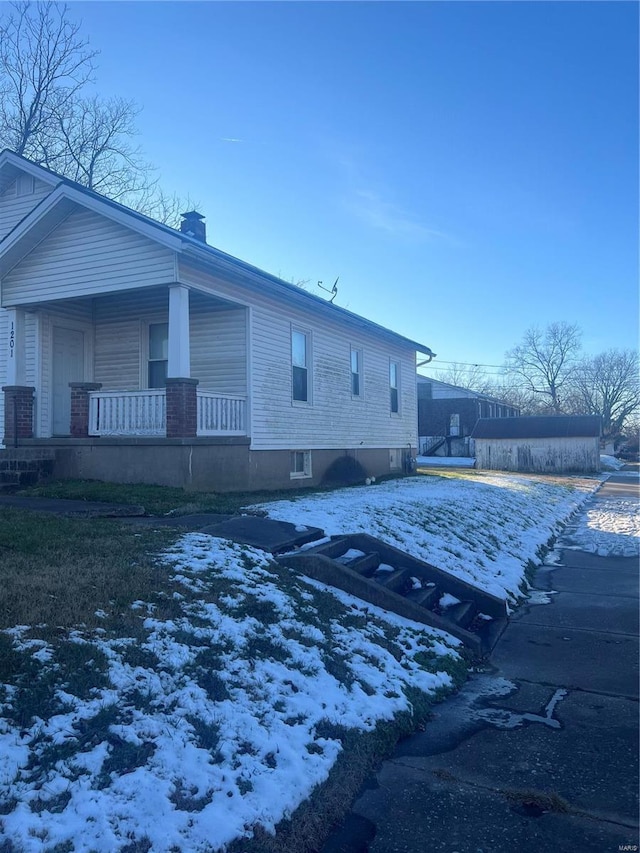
column 192, row 224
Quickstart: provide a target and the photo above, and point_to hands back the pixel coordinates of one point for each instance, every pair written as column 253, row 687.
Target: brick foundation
column 18, row 413
column 182, row 408
column 80, row 407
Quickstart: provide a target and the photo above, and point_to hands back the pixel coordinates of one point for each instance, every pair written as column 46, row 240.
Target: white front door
column 68, row 366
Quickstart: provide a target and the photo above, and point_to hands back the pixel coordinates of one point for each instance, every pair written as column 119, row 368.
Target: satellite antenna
column 333, row 291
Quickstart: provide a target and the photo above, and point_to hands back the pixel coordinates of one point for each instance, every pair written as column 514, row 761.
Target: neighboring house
column 142, row 354
column 447, row 415
column 549, row 445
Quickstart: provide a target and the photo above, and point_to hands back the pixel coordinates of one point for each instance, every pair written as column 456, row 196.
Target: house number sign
column 12, row 340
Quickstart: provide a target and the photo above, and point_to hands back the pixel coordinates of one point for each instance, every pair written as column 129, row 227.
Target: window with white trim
column 356, row 372
column 158, row 355
column 300, row 373
column 300, row 464
column 394, row 389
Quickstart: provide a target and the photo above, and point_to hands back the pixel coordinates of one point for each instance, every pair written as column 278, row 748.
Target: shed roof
column 539, row 426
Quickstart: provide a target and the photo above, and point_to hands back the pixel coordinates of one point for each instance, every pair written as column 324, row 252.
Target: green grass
column 67, row 578
column 157, row 500
column 57, row 572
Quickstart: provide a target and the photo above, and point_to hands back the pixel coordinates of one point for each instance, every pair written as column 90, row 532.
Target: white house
column 142, row 354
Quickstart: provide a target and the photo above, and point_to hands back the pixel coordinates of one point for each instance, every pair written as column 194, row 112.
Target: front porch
column 162, row 362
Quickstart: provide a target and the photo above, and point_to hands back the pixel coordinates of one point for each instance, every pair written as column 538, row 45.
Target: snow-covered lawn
column 483, row 527
column 217, row 720
column 225, row 710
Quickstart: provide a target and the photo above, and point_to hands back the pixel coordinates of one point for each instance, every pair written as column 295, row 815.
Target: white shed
column 545, row 445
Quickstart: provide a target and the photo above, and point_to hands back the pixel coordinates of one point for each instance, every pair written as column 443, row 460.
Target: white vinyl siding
column 218, row 341
column 87, row 254
column 219, row 349
column 14, row 207
column 336, row 419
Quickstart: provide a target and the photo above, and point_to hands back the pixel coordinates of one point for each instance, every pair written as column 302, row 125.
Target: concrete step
column 428, row 596
column 366, row 565
column 397, row 581
column 461, row 614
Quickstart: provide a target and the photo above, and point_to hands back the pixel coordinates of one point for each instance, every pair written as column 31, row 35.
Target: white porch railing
column 221, row 414
column 140, row 413
column 128, row 412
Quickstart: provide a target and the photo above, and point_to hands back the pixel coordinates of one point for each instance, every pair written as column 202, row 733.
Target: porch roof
column 67, row 192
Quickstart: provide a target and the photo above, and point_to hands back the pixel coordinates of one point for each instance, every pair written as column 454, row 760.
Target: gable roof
column 539, row 426
column 66, row 193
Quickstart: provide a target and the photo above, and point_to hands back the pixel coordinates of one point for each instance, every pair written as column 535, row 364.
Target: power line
column 469, row 363
column 448, row 371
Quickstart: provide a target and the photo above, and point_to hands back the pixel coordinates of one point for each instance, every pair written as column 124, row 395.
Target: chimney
column 193, row 226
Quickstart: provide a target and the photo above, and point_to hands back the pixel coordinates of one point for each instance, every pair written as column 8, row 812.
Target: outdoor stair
column 434, row 444
column 394, row 580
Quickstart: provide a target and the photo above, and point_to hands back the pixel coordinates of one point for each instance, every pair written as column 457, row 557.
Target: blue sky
column 469, row 170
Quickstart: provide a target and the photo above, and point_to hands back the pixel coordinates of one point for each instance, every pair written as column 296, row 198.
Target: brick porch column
column 182, row 417
column 18, row 412
column 80, row 407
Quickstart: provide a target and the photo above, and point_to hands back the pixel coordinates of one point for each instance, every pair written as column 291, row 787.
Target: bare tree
column 544, row 362
column 95, row 146
column 608, row 385
column 470, row 376
column 45, row 65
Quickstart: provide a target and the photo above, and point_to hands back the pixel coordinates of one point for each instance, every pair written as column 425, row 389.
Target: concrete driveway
column 539, row 752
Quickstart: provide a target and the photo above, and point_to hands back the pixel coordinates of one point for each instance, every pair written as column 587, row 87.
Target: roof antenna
column 333, row 291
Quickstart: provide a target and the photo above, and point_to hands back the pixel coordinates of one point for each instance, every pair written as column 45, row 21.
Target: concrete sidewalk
column 540, row 752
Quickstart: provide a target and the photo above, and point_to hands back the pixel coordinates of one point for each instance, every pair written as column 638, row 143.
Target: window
column 300, row 464
column 356, row 372
column 454, row 424
column 300, row 366
column 158, row 354
column 393, row 387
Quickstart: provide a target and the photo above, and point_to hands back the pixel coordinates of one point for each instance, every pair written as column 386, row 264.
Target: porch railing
column 144, row 413
column 221, row 414
column 128, row 412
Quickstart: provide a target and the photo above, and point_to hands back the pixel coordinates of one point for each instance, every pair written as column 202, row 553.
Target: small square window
column 300, row 464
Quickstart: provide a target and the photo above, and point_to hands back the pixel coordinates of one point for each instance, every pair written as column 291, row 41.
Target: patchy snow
column 222, row 714
column 445, row 462
column 610, row 463
column 233, row 727
column 610, row 528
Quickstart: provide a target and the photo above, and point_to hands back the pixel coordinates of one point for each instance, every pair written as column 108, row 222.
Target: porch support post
column 182, row 408
column 18, row 413
column 80, row 407
column 179, row 357
column 15, row 347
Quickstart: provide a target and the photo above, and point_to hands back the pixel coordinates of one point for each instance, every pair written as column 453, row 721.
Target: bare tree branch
column 544, row 362
column 608, row 385
column 45, row 65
